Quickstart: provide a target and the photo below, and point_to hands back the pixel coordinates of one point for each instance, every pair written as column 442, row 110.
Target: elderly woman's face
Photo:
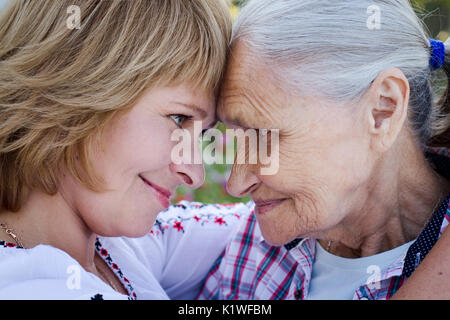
column 321, row 155
column 136, row 163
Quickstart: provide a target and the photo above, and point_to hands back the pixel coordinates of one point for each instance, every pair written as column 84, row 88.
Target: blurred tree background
column 436, row 15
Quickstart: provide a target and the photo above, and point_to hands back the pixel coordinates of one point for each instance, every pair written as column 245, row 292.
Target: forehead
column 191, row 95
column 249, row 95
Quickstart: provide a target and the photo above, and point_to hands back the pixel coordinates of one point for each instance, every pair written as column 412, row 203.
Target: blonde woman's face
column 135, row 162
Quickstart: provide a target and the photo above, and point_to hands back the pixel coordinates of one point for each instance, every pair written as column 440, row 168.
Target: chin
column 136, row 232
column 275, row 238
column 277, row 226
column 136, row 228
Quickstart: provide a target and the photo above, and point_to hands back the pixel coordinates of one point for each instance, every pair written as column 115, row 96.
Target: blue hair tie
column 437, row 54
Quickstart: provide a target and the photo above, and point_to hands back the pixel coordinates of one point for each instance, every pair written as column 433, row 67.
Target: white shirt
column 171, row 261
column 337, row 278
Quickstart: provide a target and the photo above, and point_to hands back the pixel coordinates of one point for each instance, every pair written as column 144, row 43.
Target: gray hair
column 332, row 47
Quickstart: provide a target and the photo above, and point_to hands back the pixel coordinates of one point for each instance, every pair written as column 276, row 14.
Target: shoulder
column 45, row 272
column 446, row 220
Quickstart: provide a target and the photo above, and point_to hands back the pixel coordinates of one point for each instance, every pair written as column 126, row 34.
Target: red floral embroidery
column 177, row 225
column 115, row 267
column 202, row 218
column 153, row 232
column 219, row 220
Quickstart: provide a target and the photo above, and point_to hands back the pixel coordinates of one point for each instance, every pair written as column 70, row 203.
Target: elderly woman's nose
column 241, row 181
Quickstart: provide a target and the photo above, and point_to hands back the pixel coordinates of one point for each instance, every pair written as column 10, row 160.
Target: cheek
column 126, row 208
column 128, row 211
column 317, row 177
column 137, row 146
column 348, row 163
column 300, row 166
column 288, row 222
column 331, row 161
column 86, row 204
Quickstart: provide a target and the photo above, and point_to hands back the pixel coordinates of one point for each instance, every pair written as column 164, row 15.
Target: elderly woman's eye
column 179, row 119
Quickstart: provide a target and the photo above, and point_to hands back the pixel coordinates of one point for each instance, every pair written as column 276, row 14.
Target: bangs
column 190, row 47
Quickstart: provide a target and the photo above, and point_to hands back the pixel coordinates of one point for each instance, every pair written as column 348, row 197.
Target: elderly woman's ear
column 387, row 108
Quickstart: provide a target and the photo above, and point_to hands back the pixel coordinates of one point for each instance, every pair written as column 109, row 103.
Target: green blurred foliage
column 214, row 188
column 435, row 14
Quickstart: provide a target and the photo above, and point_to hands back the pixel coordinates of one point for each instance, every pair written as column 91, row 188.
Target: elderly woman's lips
column 263, row 206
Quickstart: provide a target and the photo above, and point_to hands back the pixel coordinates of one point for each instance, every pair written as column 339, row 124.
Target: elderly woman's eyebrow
column 238, row 115
column 235, row 123
column 230, row 119
column 212, row 124
column 238, row 122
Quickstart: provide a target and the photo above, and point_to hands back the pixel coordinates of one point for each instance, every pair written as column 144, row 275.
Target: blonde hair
column 60, row 86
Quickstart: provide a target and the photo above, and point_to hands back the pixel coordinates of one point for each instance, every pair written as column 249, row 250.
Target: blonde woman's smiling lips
column 263, row 206
column 163, row 195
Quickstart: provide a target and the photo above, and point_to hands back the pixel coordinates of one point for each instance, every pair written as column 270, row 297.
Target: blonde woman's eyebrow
column 202, row 113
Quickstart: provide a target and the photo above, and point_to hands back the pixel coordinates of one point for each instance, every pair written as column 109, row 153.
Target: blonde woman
column 90, row 92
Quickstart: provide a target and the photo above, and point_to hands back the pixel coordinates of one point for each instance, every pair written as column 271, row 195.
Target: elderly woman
column 358, row 201
column 90, row 93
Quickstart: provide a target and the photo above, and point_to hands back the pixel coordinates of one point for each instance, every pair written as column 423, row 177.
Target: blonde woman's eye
column 179, row 119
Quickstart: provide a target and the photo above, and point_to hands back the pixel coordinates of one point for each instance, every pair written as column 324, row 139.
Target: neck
column 49, row 220
column 390, row 209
